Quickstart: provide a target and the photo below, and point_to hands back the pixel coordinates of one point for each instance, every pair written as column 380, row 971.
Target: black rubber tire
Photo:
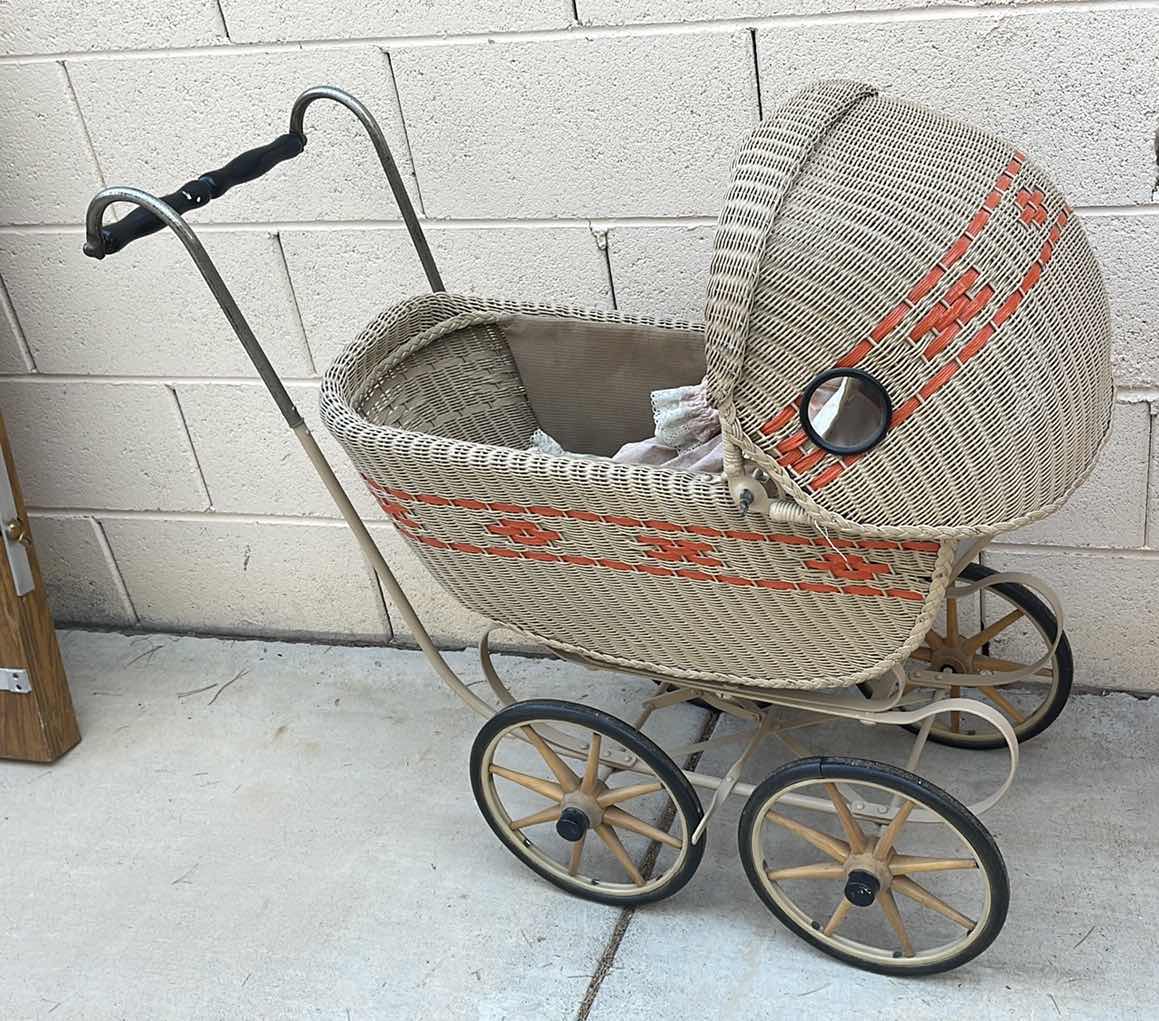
column 1036, row 609
column 831, row 768
column 667, row 772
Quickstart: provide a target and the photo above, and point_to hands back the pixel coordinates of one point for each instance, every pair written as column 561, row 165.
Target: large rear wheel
column 1009, row 628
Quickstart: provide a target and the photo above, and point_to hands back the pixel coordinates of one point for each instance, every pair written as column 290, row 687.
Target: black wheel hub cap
column 861, row 888
column 572, row 824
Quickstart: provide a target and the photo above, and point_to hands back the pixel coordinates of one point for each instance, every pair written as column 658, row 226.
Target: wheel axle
column 572, row 824
column 861, row 888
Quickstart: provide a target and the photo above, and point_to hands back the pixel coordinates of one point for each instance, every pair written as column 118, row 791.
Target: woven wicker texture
column 633, row 566
column 862, row 231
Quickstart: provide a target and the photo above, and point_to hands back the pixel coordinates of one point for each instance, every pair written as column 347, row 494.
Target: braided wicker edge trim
column 857, row 93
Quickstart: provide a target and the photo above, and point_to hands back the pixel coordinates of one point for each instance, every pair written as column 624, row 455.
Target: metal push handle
column 390, row 168
column 251, row 165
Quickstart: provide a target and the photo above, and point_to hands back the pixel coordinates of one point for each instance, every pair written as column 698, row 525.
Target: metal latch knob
column 17, row 531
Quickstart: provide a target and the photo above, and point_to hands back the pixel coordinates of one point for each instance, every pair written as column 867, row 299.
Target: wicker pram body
column 625, row 564
column 858, row 231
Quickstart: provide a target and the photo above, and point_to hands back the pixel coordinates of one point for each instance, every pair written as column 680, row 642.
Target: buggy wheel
column 921, row 892
column 604, row 833
column 960, row 644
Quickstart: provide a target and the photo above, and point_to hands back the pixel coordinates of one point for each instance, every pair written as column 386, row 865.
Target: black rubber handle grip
column 247, row 167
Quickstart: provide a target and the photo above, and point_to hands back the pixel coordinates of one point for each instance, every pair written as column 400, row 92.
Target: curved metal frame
column 760, row 707
column 393, row 177
column 241, row 328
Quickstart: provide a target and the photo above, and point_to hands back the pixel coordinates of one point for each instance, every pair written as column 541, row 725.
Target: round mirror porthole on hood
column 845, row 411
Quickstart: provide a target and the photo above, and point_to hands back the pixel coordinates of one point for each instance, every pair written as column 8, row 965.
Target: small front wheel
column 551, row 781
column 874, row 865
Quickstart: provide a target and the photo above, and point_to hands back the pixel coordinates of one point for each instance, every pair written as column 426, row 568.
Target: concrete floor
column 267, row 830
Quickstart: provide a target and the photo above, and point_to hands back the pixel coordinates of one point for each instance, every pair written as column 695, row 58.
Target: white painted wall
column 574, row 154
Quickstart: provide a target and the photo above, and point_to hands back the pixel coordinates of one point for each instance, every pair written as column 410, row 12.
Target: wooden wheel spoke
column 893, row 916
column 951, row 620
column 907, row 864
column 1003, row 703
column 934, row 640
column 992, row 630
column 907, row 887
column 889, row 835
column 955, row 715
column 567, row 779
column 818, row 870
column 833, row 847
column 546, row 815
column 592, row 766
column 619, row 794
column 626, row 821
column 608, row 836
column 852, row 831
column 532, row 783
column 997, row 663
column 922, row 654
column 837, row 917
column 577, row 852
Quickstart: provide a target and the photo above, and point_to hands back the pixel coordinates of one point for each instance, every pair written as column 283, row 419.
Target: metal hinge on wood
column 15, row 680
column 16, row 538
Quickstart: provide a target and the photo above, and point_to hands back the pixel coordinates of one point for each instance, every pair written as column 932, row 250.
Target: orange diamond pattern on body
column 680, row 550
column 1033, row 205
column 851, row 567
column 526, row 533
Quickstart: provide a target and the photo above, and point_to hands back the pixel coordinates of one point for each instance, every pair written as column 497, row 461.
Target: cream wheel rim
column 878, row 851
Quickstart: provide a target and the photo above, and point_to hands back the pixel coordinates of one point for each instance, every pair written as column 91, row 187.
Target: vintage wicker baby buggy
column 907, row 339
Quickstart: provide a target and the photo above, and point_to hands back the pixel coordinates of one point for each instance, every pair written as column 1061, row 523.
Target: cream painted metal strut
column 393, row 590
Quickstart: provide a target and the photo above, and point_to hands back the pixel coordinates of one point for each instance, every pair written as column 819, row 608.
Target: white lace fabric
column 687, row 436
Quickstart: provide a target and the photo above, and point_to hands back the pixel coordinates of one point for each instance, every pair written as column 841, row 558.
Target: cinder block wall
column 573, row 152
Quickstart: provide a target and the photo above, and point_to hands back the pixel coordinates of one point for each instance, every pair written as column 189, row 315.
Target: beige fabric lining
column 589, row 384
